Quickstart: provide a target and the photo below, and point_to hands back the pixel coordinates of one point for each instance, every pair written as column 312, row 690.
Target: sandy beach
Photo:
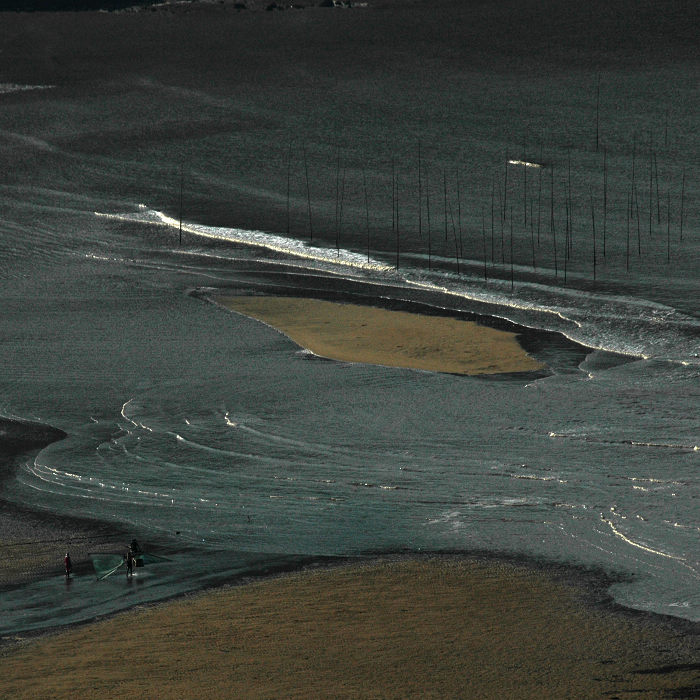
column 435, row 627
column 353, row 333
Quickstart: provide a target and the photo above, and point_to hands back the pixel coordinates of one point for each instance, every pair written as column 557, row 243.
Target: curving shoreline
column 429, row 626
column 398, row 625
column 32, row 542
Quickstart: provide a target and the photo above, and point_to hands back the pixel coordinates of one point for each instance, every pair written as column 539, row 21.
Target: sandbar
column 357, row 333
column 436, row 627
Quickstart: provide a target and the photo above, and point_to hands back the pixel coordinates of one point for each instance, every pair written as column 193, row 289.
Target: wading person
column 129, row 563
column 68, row 564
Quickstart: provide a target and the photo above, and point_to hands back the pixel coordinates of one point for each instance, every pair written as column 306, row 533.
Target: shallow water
column 217, row 441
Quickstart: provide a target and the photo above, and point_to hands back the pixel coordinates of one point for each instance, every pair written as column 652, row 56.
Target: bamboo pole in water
column 597, row 114
column 398, row 247
column 444, row 189
column 454, row 235
column 539, row 204
column 566, row 239
column 512, row 272
column 668, row 226
column 340, row 209
column 552, row 228
column 639, row 227
column 532, row 237
column 182, row 184
column 483, row 240
column 525, row 195
column 420, row 197
column 427, row 214
column 493, row 196
column 605, row 197
column 651, row 177
column 682, row 204
column 337, row 198
column 459, row 215
column 364, row 187
column 569, row 210
column 590, row 192
column 393, row 197
column 658, row 199
column 627, row 251
column 308, row 194
column 289, row 181
column 634, row 184
column 505, row 187
column 503, row 235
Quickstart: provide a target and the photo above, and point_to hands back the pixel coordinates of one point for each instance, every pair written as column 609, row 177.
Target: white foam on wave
column 525, row 163
column 6, row 88
column 639, row 545
column 626, row 325
column 269, row 241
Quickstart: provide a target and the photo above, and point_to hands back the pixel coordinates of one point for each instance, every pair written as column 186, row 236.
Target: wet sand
column 33, row 543
column 353, row 333
column 436, row 627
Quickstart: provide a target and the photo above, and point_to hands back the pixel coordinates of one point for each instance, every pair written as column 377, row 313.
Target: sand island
column 355, row 333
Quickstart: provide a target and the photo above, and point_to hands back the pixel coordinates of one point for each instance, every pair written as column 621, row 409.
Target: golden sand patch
column 445, row 628
column 354, row 333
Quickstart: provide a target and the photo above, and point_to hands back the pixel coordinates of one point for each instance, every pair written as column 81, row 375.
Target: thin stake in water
column 444, row 188
column 569, row 210
column 505, row 187
column 289, row 179
column 337, row 197
column 552, row 228
column 364, row 187
column 651, row 177
column 627, row 252
column 308, row 194
column 597, row 114
column 340, row 209
column 483, row 240
column 525, row 195
column 658, row 199
column 590, row 192
column 420, row 196
column 459, row 214
column 605, row 196
column 182, row 184
column 539, row 204
column 512, row 272
column 458, row 244
column 682, row 204
column 393, row 196
column 427, row 214
column 397, row 222
column 668, row 226
column 493, row 197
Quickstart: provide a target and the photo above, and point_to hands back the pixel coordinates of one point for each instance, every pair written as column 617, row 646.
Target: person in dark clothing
column 129, row 563
column 68, row 564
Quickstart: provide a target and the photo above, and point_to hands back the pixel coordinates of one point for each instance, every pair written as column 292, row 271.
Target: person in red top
column 68, row 563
